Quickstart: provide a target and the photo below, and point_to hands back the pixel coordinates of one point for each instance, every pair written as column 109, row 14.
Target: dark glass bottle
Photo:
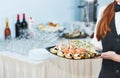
column 7, row 31
column 24, row 27
column 18, row 27
column 24, row 22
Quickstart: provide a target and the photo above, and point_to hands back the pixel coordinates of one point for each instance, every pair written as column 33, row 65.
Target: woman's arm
column 111, row 55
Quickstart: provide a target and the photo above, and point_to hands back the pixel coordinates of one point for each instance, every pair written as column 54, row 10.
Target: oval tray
column 48, row 49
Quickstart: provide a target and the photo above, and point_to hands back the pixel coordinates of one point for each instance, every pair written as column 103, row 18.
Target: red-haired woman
column 107, row 38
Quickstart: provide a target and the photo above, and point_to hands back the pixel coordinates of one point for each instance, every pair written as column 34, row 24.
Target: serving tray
column 76, row 37
column 99, row 53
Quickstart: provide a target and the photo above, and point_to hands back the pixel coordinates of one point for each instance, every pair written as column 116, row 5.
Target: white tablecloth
column 17, row 66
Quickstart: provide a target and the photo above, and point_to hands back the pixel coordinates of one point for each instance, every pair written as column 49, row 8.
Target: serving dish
column 75, row 35
column 87, row 55
column 75, row 53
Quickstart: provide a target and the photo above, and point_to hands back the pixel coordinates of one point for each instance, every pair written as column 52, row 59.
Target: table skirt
column 53, row 68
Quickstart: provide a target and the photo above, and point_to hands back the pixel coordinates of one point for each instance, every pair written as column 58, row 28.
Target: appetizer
column 75, row 49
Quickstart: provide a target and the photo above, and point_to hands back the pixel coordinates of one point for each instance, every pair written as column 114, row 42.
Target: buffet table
column 14, row 65
column 19, row 62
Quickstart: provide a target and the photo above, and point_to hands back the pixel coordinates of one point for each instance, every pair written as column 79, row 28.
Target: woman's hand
column 111, row 55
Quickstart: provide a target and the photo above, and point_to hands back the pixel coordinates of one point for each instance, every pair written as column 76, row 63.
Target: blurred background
column 43, row 11
column 25, row 46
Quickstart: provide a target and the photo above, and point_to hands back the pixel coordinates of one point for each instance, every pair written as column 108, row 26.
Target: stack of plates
column 39, row 54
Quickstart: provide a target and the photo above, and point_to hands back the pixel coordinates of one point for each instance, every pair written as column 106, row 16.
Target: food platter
column 79, row 36
column 84, row 55
column 50, row 27
column 75, row 49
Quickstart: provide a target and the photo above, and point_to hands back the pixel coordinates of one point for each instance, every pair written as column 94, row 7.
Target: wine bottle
column 7, row 31
column 24, row 27
column 18, row 27
column 24, row 22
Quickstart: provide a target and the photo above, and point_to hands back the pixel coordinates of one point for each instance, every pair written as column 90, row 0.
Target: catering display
column 74, row 49
column 50, row 27
column 75, row 34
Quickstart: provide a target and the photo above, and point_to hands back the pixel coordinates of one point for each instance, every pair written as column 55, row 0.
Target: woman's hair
column 103, row 26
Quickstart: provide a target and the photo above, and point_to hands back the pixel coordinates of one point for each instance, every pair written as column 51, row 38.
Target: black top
column 111, row 42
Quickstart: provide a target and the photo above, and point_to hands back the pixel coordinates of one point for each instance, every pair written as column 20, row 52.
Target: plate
column 75, row 37
column 98, row 54
column 38, row 54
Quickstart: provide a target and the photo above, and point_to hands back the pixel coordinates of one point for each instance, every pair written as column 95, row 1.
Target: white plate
column 39, row 54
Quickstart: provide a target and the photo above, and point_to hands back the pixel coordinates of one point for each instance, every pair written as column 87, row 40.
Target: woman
column 107, row 38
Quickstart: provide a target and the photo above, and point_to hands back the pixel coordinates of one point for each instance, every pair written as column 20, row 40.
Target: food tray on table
column 83, row 55
column 50, row 27
column 75, row 36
